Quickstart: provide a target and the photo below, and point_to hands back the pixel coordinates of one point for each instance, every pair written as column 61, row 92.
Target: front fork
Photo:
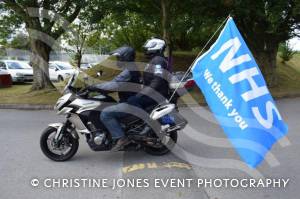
column 62, row 129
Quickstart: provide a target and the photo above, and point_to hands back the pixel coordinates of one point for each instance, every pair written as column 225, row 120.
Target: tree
column 264, row 25
column 84, row 34
column 177, row 22
column 160, row 10
column 166, row 24
column 45, row 22
column 187, row 24
column 132, row 22
column 116, row 32
column 77, row 39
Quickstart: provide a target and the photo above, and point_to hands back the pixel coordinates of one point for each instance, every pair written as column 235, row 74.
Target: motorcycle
column 157, row 136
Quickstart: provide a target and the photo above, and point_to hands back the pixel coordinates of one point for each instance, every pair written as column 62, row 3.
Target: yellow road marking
column 154, row 165
column 180, row 165
column 133, row 167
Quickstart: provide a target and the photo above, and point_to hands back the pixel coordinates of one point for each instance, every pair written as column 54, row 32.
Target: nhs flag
column 236, row 92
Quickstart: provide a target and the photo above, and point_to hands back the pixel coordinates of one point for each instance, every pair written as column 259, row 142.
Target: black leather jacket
column 155, row 81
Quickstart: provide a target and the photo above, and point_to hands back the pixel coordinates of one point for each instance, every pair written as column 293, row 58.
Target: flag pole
column 200, row 53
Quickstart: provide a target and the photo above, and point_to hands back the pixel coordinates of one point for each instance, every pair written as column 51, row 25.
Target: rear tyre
column 64, row 152
column 163, row 147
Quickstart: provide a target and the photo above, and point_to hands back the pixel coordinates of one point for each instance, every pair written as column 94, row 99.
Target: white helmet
column 154, row 46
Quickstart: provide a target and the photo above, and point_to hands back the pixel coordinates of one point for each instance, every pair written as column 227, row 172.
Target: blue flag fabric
column 236, row 92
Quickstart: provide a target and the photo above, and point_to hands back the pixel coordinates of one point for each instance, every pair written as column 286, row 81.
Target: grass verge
column 21, row 94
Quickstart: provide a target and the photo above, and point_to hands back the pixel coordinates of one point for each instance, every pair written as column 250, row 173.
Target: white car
column 85, row 66
column 187, row 82
column 20, row 71
column 60, row 71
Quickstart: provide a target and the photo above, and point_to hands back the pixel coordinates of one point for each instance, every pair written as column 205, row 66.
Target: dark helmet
column 124, row 54
column 154, row 46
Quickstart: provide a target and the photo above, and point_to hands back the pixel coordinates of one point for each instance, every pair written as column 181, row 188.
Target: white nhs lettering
column 229, row 62
column 256, row 91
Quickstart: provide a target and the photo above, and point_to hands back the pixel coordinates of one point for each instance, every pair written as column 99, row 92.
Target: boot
column 120, row 144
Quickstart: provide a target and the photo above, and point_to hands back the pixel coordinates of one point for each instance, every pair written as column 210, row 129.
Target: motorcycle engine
column 99, row 137
column 97, row 140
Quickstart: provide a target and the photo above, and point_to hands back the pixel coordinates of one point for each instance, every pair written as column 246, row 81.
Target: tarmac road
column 201, row 146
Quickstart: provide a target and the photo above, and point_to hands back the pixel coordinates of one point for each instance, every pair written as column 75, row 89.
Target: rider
column 129, row 77
column 155, row 76
column 155, row 90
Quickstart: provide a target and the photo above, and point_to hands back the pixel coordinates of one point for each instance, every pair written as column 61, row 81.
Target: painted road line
column 156, row 165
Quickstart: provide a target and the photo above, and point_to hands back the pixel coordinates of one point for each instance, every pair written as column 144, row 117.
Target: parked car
column 85, row 66
column 20, row 71
column 59, row 71
column 188, row 82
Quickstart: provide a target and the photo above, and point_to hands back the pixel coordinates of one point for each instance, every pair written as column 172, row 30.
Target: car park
column 20, row 71
column 60, row 71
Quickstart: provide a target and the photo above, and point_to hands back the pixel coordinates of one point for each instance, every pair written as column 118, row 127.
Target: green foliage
column 264, row 24
column 286, row 52
column 9, row 22
column 19, row 41
column 131, row 30
column 188, row 29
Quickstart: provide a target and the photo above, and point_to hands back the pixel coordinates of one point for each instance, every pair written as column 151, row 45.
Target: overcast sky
column 295, row 43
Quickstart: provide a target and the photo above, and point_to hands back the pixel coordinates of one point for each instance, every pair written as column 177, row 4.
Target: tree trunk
column 166, row 26
column 78, row 59
column 40, row 63
column 266, row 60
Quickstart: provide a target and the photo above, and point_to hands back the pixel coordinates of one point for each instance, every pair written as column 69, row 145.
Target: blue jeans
column 111, row 115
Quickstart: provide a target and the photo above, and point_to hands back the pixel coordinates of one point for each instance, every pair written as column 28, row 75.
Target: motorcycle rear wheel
column 164, row 148
column 46, row 148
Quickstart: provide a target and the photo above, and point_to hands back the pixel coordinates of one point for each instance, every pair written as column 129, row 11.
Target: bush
column 286, row 52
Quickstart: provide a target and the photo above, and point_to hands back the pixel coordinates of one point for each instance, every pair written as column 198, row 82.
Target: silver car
column 20, row 71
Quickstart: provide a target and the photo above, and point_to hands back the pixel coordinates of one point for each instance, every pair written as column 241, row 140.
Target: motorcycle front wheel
column 163, row 147
column 58, row 152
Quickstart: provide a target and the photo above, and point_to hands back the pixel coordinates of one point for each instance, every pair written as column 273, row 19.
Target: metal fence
column 24, row 55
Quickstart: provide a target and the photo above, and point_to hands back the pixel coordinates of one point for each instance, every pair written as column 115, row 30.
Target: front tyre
column 163, row 147
column 58, row 152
